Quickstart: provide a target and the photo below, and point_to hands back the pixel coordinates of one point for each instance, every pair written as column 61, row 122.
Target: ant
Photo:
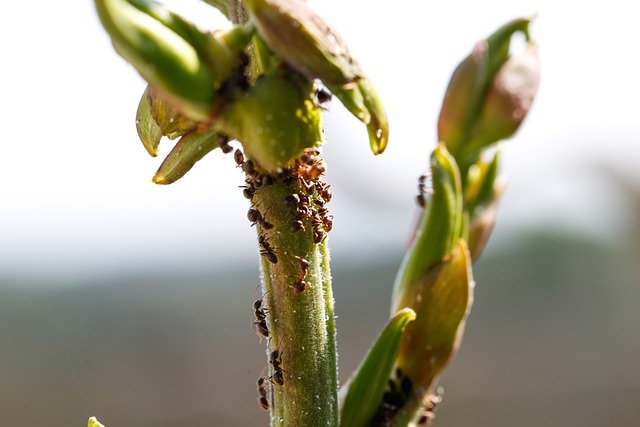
column 260, row 325
column 262, row 391
column 425, row 189
column 275, row 358
column 267, row 250
column 323, row 96
column 299, row 286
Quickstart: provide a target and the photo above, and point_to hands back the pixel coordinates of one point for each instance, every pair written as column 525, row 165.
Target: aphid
column 297, row 226
column 266, row 225
column 249, row 167
column 292, row 200
column 238, row 157
column 267, row 180
column 319, row 236
column 327, row 223
column 253, row 215
column 324, row 191
column 318, row 169
column 223, row 143
column 248, row 193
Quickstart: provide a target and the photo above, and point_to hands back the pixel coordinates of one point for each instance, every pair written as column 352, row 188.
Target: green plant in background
column 263, row 84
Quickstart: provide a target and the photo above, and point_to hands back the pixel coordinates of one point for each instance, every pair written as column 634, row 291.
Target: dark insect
column 300, row 285
column 238, row 157
column 267, row 250
column 275, row 358
column 323, row 95
column 262, row 391
column 425, row 189
column 223, row 143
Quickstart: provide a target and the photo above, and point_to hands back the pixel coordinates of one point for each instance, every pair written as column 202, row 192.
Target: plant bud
column 441, row 297
column 489, row 93
column 439, row 227
column 189, row 149
column 160, row 52
column 509, row 99
column 275, row 121
column 302, row 39
column 148, row 130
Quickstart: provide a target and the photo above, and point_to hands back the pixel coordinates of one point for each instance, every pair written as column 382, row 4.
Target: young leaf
column 367, row 385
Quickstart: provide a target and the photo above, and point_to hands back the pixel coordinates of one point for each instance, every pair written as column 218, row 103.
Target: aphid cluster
column 395, row 396
column 425, row 189
column 309, row 204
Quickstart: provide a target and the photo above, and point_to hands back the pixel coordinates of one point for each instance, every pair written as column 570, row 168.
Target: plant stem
column 301, row 324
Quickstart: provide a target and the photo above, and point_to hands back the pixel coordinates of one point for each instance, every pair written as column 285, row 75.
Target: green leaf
column 367, row 385
column 161, row 55
column 363, row 102
column 189, row 149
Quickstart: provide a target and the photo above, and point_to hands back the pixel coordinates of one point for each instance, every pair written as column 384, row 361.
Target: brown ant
column 267, row 250
column 299, row 286
column 262, row 391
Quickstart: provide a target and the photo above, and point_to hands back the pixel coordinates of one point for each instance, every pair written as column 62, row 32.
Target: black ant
column 262, row 391
column 323, row 96
column 275, row 358
column 425, row 189
column 267, row 250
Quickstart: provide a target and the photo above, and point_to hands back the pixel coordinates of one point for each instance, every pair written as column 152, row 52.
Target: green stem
column 301, row 324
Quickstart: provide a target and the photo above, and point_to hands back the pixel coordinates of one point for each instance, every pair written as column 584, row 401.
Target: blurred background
column 132, row 302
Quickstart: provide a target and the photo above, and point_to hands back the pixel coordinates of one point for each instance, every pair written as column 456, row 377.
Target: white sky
column 75, row 183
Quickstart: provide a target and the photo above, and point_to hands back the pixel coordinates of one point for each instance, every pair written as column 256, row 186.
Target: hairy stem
column 298, row 303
